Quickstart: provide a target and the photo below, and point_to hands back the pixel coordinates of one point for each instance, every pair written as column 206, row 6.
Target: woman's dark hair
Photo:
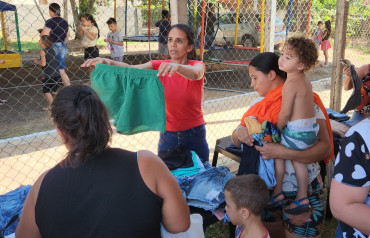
column 190, row 35
column 267, row 61
column 54, row 7
column 91, row 18
column 328, row 26
column 78, row 112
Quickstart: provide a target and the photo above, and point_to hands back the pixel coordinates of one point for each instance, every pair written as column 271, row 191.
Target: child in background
column 164, row 26
column 115, row 39
column 297, row 119
column 317, row 35
column 246, row 196
column 51, row 79
column 325, row 43
column 90, row 34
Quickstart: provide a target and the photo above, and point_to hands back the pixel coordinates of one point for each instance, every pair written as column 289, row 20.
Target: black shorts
column 51, row 84
column 91, row 52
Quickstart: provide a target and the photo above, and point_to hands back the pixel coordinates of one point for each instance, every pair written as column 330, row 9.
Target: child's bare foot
column 298, row 206
column 45, row 109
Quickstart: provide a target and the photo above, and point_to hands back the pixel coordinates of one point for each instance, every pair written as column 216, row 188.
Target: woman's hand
column 270, row 150
column 243, row 136
column 346, row 71
column 95, row 61
column 166, row 68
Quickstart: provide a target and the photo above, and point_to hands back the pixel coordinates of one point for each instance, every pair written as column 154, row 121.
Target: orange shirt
column 183, row 98
column 268, row 109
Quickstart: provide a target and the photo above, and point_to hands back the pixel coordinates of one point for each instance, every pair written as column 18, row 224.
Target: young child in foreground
column 115, row 39
column 246, row 196
column 51, row 79
column 297, row 116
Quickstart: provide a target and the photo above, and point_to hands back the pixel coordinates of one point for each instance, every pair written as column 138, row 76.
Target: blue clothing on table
column 206, row 189
column 196, row 168
column 11, row 204
column 337, row 116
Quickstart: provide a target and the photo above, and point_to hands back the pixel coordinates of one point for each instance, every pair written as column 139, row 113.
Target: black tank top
column 104, row 197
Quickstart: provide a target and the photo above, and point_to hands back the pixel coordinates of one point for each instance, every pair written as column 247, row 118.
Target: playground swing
column 308, row 17
column 12, row 59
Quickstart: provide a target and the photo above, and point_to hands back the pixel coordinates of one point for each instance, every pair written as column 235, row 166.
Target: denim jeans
column 61, row 52
column 11, row 204
column 206, row 189
column 194, row 139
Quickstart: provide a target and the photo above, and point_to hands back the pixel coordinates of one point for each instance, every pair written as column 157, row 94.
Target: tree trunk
column 75, row 18
column 90, row 6
column 65, row 10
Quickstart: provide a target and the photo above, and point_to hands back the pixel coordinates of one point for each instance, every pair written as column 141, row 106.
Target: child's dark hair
column 305, row 49
column 190, row 35
column 80, row 115
column 328, row 26
column 267, row 61
column 248, row 191
column 320, row 22
column 91, row 18
column 48, row 41
column 54, row 7
column 165, row 14
column 111, row 21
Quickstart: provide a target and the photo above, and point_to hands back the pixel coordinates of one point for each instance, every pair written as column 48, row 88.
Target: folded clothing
column 195, row 169
column 179, row 157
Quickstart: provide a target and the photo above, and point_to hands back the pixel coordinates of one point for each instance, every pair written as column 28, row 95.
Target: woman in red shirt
column 182, row 79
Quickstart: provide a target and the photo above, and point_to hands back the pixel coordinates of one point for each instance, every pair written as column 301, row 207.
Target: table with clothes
column 202, row 185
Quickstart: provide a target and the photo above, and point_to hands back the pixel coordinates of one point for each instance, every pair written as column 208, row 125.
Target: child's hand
column 110, row 40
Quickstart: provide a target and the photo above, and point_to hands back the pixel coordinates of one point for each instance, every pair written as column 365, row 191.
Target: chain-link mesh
column 28, row 142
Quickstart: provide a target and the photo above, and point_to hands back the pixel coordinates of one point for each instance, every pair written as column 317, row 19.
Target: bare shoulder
column 363, row 70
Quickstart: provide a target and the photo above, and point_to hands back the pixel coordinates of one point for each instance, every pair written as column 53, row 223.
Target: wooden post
column 179, row 12
column 269, row 31
column 338, row 53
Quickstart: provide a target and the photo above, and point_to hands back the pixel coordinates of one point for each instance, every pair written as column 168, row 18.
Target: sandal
column 275, row 204
column 300, row 209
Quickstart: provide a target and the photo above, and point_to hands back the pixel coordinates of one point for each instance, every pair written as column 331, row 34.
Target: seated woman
column 350, row 188
column 98, row 191
column 267, row 80
column 364, row 74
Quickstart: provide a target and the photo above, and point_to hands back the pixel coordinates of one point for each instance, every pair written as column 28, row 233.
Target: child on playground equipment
column 115, row 41
column 51, row 79
column 297, row 118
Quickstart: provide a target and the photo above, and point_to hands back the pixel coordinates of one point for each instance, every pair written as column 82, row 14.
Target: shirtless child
column 297, row 117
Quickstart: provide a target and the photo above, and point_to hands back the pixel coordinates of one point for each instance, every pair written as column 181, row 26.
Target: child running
column 51, row 79
column 115, row 39
column 246, row 196
column 297, row 117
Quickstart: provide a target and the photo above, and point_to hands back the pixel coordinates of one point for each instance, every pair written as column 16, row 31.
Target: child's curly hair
column 305, row 49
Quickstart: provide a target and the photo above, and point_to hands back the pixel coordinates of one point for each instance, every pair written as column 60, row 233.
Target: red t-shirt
column 183, row 98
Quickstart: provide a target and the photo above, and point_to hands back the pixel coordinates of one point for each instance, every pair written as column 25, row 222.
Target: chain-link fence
column 28, row 142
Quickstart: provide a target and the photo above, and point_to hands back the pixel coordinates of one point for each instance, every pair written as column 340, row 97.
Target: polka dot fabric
column 352, row 165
